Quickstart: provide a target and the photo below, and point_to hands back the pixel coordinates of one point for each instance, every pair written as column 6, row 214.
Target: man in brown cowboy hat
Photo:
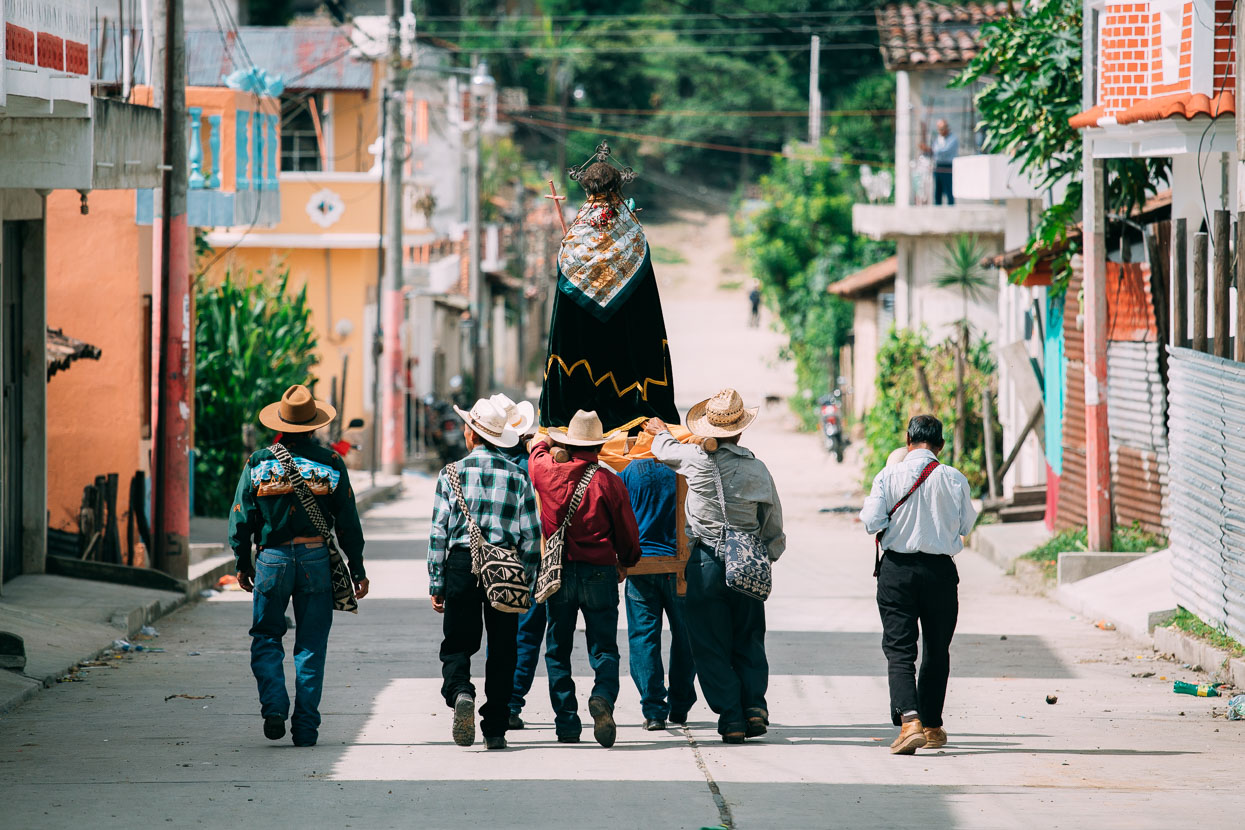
column 499, row 499
column 726, row 627
column 293, row 561
column 601, row 541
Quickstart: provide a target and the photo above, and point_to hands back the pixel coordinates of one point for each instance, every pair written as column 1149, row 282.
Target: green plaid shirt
column 500, row 498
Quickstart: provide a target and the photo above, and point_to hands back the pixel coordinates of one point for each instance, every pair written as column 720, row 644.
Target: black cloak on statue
column 607, row 337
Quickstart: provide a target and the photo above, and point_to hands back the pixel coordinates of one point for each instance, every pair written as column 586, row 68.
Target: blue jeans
column 648, row 595
column 727, row 631
column 531, row 634
column 592, row 589
column 300, row 573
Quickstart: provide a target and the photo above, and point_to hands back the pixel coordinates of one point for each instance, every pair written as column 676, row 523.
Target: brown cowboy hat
column 721, row 416
column 297, row 411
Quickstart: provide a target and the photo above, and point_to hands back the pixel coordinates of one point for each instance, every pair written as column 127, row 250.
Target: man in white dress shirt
column 917, row 578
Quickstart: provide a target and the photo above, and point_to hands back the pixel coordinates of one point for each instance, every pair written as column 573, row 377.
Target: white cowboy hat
column 583, row 431
column 520, row 416
column 721, row 416
column 489, row 422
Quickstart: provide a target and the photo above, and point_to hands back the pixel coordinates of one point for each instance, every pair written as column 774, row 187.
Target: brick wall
column 1130, row 62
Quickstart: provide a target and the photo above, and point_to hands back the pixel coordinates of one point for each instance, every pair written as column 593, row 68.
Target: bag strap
column 577, row 497
column 717, row 483
column 877, row 553
column 474, row 534
column 306, row 498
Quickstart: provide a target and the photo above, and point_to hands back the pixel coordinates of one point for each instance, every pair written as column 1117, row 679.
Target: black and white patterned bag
column 748, row 567
column 343, row 586
column 499, row 569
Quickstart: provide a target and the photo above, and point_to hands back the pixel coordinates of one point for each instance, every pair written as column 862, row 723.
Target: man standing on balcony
column 946, row 148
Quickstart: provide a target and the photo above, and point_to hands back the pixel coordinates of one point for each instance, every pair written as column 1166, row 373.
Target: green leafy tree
column 963, row 272
column 253, row 340
column 1031, row 66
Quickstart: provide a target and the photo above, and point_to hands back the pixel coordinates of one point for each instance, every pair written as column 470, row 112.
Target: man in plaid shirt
column 500, row 499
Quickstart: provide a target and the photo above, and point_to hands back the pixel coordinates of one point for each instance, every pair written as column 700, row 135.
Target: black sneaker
column 303, row 739
column 274, row 728
column 516, row 722
column 464, row 729
column 603, row 728
column 495, row 742
column 568, row 739
column 654, row 724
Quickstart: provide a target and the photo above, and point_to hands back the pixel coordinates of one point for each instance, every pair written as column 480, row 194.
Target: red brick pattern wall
column 1130, row 61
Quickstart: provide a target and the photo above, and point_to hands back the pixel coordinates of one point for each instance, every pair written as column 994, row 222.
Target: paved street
column 1114, row 751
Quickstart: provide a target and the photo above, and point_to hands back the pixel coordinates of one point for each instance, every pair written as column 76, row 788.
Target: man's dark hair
column 925, row 429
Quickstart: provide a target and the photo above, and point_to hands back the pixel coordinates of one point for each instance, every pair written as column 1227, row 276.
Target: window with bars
column 300, row 140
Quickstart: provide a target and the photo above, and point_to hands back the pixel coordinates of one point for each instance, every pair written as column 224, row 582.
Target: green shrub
column 253, row 340
column 1130, row 539
column 1190, row 623
column 900, row 397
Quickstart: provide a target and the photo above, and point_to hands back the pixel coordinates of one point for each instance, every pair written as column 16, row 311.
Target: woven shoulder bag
column 748, row 567
column 549, row 575
column 499, row 569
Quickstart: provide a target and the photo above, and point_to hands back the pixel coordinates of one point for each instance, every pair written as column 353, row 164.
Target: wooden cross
column 557, row 205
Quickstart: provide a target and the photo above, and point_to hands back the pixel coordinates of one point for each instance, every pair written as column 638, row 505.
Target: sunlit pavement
column 1114, row 751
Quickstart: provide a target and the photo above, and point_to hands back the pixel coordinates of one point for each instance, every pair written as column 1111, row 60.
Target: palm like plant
column 962, row 271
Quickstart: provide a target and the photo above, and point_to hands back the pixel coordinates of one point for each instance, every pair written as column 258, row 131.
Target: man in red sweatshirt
column 602, row 540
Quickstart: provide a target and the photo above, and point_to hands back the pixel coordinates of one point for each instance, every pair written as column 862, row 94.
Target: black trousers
column 727, row 633
column 918, row 592
column 467, row 615
column 942, row 187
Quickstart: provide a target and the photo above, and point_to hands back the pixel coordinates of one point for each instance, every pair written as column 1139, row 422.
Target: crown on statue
column 602, row 154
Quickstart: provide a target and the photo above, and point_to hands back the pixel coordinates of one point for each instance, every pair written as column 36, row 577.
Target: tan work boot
column 935, row 738
column 911, row 738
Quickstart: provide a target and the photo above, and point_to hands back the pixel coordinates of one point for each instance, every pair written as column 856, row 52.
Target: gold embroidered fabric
column 603, row 250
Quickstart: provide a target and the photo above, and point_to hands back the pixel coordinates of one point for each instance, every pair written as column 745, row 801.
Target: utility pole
column 392, row 378
column 1094, row 263
column 172, row 394
column 1239, row 353
column 476, row 286
column 814, row 91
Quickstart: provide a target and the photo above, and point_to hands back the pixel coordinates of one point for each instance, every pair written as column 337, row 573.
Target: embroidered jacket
column 266, row 511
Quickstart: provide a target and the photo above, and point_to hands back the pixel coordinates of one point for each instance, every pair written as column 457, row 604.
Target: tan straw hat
column 297, row 411
column 521, row 416
column 489, row 421
column 583, row 431
column 721, row 416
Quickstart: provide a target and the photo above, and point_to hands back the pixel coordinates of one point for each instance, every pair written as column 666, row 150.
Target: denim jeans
column 592, row 589
column 727, row 631
column 468, row 615
column 648, row 595
column 299, row 573
column 531, row 634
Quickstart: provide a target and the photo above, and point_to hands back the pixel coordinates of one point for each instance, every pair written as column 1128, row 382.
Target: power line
column 588, row 32
column 554, row 51
column 544, row 18
column 732, row 113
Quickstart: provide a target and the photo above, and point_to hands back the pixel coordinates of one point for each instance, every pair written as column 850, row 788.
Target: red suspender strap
column 877, row 552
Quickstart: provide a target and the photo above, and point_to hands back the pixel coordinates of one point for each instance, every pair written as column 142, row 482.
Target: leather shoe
column 568, row 739
column 678, row 717
column 516, row 722
column 495, row 742
column 757, row 726
column 733, row 738
column 603, row 726
column 935, row 738
column 654, row 724
column 274, row 728
column 911, row 738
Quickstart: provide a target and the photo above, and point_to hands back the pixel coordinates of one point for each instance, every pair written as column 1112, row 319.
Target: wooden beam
column 1200, row 288
column 1223, row 274
column 1180, row 283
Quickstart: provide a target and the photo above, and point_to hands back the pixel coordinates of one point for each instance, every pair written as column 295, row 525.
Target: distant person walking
column 653, row 488
column 754, row 301
column 944, row 150
column 290, row 522
column 920, row 509
column 726, row 626
column 601, row 541
column 488, row 490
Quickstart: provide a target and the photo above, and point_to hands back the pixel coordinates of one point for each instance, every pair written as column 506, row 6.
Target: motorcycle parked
column 832, row 427
column 443, row 430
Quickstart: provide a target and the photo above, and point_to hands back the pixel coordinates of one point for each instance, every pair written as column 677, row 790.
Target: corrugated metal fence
column 1136, row 414
column 1207, row 425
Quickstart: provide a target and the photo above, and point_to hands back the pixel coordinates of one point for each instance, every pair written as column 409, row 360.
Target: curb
column 378, row 494
column 1219, row 664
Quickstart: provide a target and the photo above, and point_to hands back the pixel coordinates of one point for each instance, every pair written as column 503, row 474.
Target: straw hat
column 489, row 421
column 583, row 431
column 520, row 416
column 297, row 411
column 721, row 416
column 897, row 455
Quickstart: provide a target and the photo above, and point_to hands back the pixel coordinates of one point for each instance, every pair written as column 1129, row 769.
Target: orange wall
column 94, row 294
